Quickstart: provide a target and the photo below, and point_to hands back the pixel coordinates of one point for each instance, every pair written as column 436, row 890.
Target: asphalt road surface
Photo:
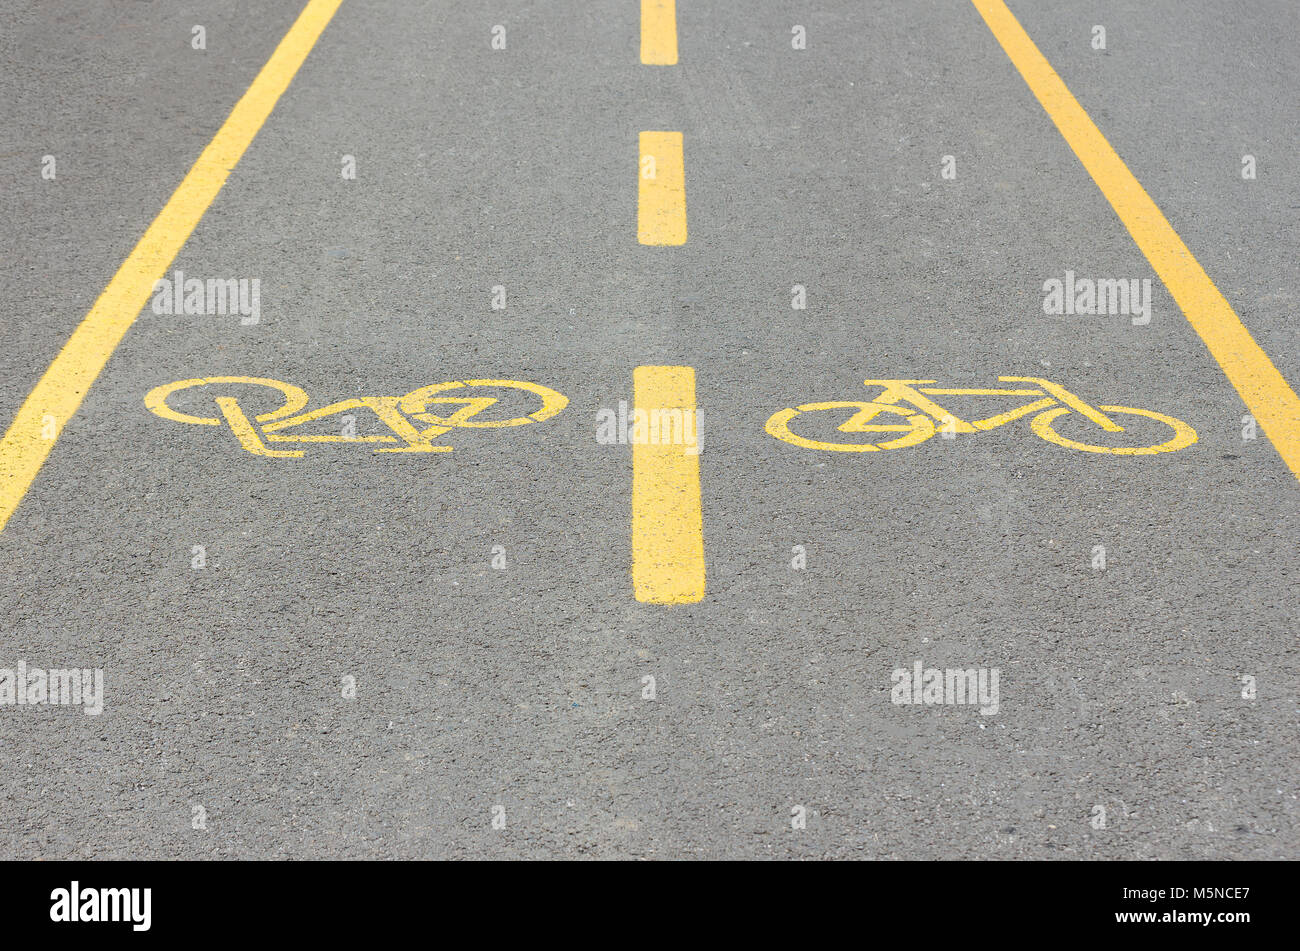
column 567, row 636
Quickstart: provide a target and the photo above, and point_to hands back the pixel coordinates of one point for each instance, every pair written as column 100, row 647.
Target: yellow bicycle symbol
column 255, row 432
column 919, row 417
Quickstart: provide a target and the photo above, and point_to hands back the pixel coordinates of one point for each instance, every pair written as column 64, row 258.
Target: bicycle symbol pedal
column 413, row 421
column 912, row 416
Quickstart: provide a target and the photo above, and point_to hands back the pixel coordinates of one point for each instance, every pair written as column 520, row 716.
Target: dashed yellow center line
column 659, row 32
column 59, row 392
column 1266, row 393
column 667, row 523
column 661, row 189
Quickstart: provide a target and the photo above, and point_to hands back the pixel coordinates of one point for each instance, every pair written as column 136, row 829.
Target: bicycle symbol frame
column 393, row 411
column 923, row 417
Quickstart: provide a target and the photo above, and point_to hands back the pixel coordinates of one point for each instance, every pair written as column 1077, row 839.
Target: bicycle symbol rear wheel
column 416, row 403
column 917, row 429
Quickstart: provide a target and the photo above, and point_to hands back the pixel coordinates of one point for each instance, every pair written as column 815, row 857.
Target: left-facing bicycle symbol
column 413, row 420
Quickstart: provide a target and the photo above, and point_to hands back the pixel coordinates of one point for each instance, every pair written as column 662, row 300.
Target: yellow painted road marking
column 61, row 389
column 659, row 32
column 1268, row 396
column 923, row 415
column 661, row 193
column 388, row 409
column 667, row 524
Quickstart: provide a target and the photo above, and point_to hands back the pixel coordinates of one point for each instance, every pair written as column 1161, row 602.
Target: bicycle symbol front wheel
column 1183, row 436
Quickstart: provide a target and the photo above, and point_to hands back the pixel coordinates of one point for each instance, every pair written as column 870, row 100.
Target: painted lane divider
column 667, row 522
column 59, row 393
column 661, row 190
column 1263, row 389
column 659, row 32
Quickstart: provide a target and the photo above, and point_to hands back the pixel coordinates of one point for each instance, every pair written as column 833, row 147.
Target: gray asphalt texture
column 522, row 687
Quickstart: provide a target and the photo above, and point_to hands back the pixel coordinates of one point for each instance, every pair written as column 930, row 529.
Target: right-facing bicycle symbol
column 919, row 417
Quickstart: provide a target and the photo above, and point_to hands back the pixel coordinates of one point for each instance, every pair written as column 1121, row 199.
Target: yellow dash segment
column 661, row 193
column 1266, row 393
column 659, row 32
column 61, row 389
column 667, row 524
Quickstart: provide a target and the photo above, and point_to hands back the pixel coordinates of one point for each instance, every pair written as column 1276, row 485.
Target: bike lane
column 980, row 551
column 523, row 686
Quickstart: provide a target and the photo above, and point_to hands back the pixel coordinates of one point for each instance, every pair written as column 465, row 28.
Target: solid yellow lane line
column 1268, row 396
column 63, row 386
column 661, row 192
column 667, row 523
column 659, row 32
